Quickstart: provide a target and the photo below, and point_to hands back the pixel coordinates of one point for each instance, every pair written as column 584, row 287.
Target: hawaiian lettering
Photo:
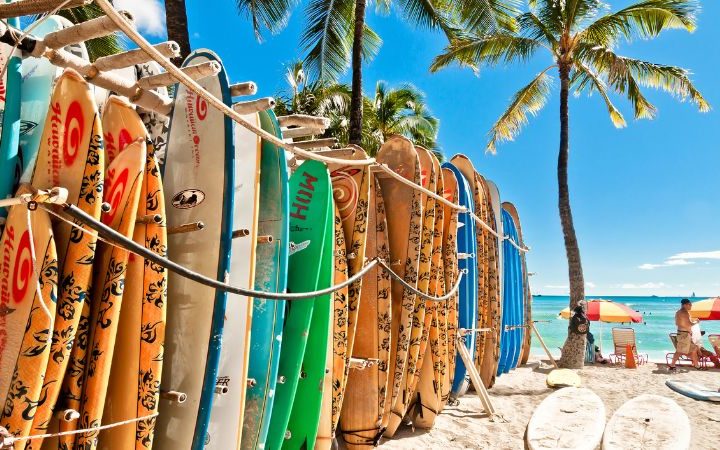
column 7, row 250
column 53, row 141
column 303, row 197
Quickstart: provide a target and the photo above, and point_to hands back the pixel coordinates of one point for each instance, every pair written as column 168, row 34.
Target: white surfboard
column 648, row 422
column 571, row 418
column 226, row 417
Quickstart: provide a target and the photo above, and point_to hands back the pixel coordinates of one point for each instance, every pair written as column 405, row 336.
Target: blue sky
column 645, row 198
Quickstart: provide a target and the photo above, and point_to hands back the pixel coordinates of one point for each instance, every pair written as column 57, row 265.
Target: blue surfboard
column 467, row 246
column 518, row 318
column 10, row 86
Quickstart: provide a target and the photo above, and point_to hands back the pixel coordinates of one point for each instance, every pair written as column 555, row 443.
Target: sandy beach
column 517, row 394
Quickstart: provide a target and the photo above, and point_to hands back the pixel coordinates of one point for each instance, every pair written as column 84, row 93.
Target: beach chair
column 715, row 342
column 622, row 336
column 684, row 357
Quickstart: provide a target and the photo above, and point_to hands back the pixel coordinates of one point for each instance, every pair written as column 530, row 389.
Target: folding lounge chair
column 715, row 342
column 684, row 357
column 622, row 336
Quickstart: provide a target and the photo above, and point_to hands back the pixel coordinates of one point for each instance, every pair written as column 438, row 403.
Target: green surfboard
column 304, row 348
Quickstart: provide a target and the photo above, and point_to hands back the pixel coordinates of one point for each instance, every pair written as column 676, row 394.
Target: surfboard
column 467, row 292
column 363, row 417
column 693, row 390
column 351, row 189
column 404, row 216
column 489, row 366
column 123, row 185
column 418, row 334
column 80, row 168
column 648, row 421
column 226, row 418
column 563, row 378
column 10, row 91
column 527, row 296
column 199, row 182
column 157, row 125
column 134, row 386
column 512, row 299
column 296, row 410
column 102, row 95
column 121, row 126
column 427, row 389
column 571, row 418
column 271, row 264
column 337, row 340
column 450, row 274
column 517, row 295
column 28, row 294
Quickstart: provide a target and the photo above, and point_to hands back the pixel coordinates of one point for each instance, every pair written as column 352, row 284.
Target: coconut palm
column 581, row 37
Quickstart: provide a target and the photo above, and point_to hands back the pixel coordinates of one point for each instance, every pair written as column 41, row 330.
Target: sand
column 517, row 394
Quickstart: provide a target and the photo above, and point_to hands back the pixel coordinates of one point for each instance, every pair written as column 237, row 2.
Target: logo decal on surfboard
column 189, row 198
column 294, row 248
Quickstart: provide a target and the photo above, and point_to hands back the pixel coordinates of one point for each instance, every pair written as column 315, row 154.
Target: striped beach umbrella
column 708, row 309
column 601, row 310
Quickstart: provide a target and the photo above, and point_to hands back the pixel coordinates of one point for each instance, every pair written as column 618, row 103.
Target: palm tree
column 103, row 46
column 581, row 37
column 177, row 27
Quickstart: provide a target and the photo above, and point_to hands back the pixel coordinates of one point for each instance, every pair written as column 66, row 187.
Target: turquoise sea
column 658, row 313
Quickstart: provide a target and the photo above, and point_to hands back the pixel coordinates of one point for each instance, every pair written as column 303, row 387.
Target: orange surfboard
column 28, row 292
column 121, row 126
column 450, row 273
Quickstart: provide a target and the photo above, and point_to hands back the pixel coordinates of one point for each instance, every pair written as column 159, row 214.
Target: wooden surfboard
column 80, row 168
column 296, row 410
column 527, row 296
column 404, row 220
column 157, row 125
column 648, row 421
column 123, row 185
column 226, row 418
column 489, row 366
column 10, row 90
column 134, row 387
column 418, row 334
column 363, row 417
column 199, row 179
column 571, row 418
column 271, row 264
column 450, row 274
column 335, row 365
column 351, row 189
column 28, row 294
column 427, row 391
column 121, row 126
column 467, row 291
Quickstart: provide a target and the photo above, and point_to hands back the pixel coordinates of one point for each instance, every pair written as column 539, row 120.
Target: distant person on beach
column 685, row 345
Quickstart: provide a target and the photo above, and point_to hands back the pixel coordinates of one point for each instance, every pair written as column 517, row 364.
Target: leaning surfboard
column 404, row 217
column 10, row 90
column 199, row 180
column 311, row 240
column 467, row 292
column 363, row 410
column 271, row 264
column 451, row 274
column 28, row 294
column 488, row 367
column 526, row 295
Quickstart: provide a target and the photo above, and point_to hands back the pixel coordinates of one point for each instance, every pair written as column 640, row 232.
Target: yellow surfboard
column 28, row 292
column 134, row 387
column 122, row 191
column 450, row 272
column 121, row 126
column 70, row 155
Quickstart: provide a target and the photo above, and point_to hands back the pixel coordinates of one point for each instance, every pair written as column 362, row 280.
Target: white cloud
column 667, row 263
column 590, row 284
column 696, row 255
column 644, row 286
column 149, row 15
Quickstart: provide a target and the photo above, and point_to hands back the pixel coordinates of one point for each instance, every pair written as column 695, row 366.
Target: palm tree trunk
column 573, row 352
column 356, row 99
column 177, row 27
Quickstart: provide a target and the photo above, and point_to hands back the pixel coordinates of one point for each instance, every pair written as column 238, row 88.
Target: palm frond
column 102, row 46
column 489, row 50
column 328, row 37
column 645, row 19
column 578, row 12
column 626, row 75
column 488, row 16
column 532, row 27
column 272, row 15
column 528, row 100
column 550, row 13
column 585, row 79
column 429, row 14
column 371, row 43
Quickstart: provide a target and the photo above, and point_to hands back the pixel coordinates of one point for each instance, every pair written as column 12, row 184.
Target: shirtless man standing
column 685, row 345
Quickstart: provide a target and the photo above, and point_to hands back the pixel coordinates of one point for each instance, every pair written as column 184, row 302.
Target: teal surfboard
column 310, row 268
column 271, row 263
column 10, row 86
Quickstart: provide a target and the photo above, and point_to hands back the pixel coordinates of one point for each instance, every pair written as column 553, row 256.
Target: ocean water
column 652, row 335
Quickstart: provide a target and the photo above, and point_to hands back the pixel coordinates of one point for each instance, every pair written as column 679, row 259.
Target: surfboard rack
column 91, row 29
column 317, row 143
column 169, row 49
column 253, row 106
column 195, row 71
column 475, row 378
column 243, row 89
column 363, row 363
column 67, row 415
column 174, row 396
column 186, row 228
column 148, row 219
column 267, row 239
column 303, row 120
column 222, row 390
column 301, row 132
column 243, row 232
column 20, row 8
column 56, row 195
column 251, row 382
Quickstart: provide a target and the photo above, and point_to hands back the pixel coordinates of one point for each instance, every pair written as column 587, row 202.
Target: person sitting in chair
column 685, row 346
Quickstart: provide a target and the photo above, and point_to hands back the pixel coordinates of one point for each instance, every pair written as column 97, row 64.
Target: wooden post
column 474, row 375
